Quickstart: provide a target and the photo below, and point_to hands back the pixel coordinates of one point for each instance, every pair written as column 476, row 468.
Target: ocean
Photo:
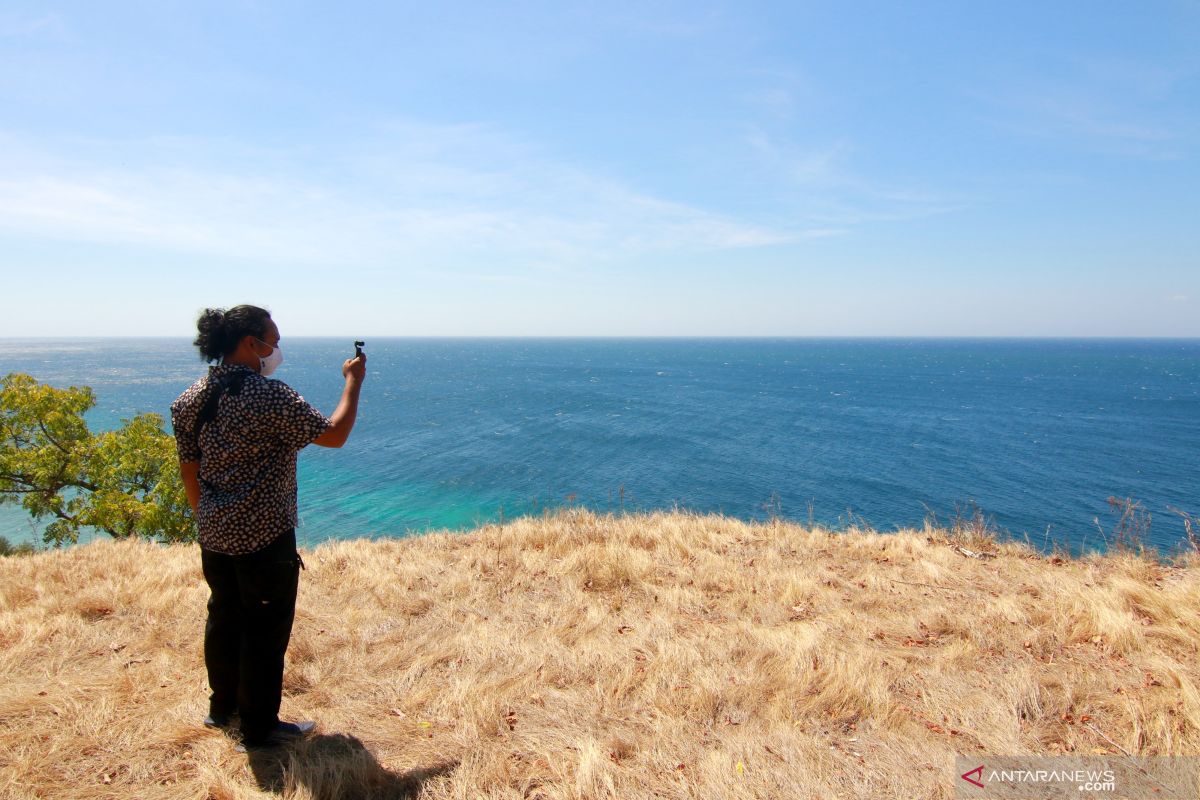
column 451, row 433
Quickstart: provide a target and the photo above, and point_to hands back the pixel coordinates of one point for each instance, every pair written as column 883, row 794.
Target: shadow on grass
column 336, row 767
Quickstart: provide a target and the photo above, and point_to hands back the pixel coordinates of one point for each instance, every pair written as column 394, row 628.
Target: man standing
column 238, row 432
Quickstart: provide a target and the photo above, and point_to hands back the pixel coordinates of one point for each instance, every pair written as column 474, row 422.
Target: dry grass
column 585, row 656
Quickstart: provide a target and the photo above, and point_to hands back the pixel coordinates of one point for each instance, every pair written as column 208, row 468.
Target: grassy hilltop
column 585, row 656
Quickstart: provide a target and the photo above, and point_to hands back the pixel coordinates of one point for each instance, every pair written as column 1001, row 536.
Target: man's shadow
column 336, row 767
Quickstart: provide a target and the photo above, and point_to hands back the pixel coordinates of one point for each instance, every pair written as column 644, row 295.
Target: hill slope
column 581, row 656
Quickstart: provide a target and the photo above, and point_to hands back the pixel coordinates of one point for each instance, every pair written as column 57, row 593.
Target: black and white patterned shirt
column 247, row 455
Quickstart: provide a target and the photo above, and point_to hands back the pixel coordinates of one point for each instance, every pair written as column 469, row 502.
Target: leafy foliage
column 7, row 548
column 125, row 482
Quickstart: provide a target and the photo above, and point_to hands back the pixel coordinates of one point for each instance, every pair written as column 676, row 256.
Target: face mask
column 269, row 364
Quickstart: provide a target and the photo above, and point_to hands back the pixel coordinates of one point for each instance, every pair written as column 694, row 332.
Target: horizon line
column 757, row 337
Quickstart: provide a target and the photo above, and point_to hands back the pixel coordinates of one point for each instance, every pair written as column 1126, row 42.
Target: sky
column 602, row 169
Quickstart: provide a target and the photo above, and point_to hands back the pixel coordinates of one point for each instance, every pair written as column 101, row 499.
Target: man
column 238, row 432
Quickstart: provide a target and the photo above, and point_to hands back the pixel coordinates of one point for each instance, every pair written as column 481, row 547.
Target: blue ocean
column 1037, row 434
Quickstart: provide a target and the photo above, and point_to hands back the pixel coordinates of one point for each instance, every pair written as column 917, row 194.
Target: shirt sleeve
column 298, row 422
column 184, row 412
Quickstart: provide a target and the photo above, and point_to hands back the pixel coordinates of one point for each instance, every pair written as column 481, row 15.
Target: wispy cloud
column 783, row 94
column 1096, row 123
column 439, row 192
column 690, row 21
column 22, row 26
column 823, row 182
column 1114, row 107
column 820, row 166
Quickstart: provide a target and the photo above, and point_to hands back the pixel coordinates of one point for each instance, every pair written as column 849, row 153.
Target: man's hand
column 190, row 471
column 355, row 368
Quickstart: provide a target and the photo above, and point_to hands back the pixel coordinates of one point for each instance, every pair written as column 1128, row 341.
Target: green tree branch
column 125, row 482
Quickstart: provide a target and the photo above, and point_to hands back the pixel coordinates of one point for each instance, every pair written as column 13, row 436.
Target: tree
column 125, row 482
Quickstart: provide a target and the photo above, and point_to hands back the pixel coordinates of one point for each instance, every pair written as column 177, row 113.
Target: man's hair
column 221, row 330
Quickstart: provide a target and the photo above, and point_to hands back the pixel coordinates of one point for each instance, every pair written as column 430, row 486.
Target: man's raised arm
column 354, row 370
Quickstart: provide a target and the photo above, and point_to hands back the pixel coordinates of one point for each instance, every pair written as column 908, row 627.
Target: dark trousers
column 249, row 625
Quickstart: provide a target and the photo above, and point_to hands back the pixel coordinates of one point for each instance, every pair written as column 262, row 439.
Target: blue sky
column 647, row 168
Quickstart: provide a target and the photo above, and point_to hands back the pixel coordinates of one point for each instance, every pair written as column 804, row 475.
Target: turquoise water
column 454, row 432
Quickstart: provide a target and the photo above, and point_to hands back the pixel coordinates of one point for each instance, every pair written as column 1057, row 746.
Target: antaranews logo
column 977, row 772
column 1036, row 777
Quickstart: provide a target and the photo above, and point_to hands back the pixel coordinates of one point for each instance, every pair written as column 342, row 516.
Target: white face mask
column 269, row 364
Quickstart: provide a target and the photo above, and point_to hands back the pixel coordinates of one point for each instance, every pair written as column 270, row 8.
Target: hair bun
column 219, row 331
column 211, row 338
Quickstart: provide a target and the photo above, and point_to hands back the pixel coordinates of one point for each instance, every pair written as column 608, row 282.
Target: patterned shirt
column 247, row 454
